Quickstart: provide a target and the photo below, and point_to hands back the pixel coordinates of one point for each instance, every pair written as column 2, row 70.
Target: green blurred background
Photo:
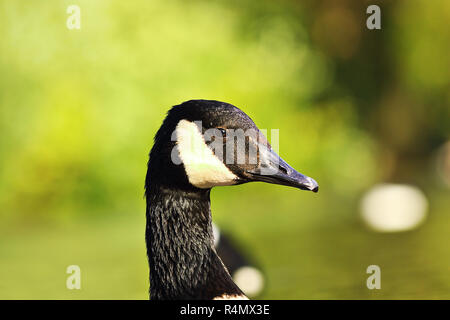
column 355, row 107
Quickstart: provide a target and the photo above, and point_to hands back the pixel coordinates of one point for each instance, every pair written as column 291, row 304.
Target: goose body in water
column 201, row 144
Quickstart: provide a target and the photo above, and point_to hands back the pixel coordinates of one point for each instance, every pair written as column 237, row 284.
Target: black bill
column 273, row 169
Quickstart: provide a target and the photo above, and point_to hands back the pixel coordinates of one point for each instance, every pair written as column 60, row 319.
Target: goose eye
column 223, row 131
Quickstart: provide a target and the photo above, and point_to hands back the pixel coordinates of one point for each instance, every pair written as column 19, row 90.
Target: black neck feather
column 183, row 261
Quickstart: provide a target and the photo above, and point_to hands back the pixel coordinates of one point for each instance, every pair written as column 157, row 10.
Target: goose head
column 205, row 143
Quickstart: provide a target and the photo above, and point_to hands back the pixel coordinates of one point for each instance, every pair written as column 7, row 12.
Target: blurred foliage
column 79, row 109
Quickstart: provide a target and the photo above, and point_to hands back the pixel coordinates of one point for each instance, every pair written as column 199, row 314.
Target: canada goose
column 193, row 151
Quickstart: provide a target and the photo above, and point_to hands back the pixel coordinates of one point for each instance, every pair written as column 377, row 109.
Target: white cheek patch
column 203, row 168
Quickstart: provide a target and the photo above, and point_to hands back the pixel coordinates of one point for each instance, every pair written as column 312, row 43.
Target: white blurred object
column 250, row 280
column 216, row 234
column 394, row 207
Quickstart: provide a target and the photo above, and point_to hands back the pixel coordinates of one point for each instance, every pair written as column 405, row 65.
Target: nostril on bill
column 282, row 169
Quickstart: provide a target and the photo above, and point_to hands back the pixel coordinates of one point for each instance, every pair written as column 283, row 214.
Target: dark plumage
column 182, row 259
